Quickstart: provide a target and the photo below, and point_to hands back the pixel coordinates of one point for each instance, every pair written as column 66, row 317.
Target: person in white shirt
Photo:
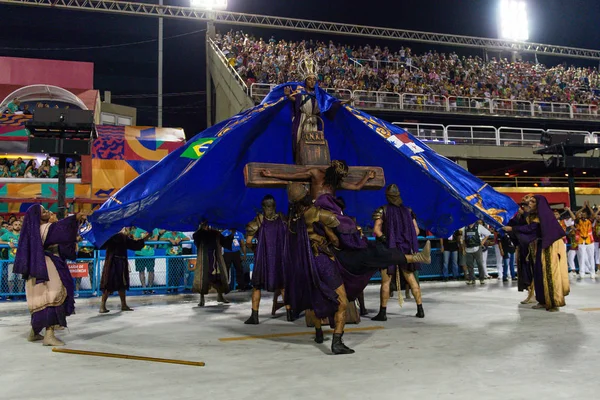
column 485, row 245
column 472, row 245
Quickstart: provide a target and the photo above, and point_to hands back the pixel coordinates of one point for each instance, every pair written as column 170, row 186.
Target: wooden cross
column 312, row 152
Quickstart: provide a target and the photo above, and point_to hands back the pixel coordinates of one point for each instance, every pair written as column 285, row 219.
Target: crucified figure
column 323, row 180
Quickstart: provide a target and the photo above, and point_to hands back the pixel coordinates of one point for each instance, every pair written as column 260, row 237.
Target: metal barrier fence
column 452, row 104
column 164, row 273
column 486, row 135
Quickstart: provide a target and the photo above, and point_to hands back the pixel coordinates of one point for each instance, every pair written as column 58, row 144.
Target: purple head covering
column 30, row 260
column 550, row 228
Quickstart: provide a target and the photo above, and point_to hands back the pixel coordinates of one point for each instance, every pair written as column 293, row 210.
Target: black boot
column 253, row 320
column 381, row 316
column 289, row 315
column 319, row 335
column 338, row 346
column 420, row 312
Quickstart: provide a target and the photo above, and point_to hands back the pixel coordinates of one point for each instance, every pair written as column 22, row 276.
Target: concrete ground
column 475, row 342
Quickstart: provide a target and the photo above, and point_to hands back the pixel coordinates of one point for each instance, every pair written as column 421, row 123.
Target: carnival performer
column 396, row 227
column 210, row 270
column 315, row 283
column 115, row 273
column 525, row 268
column 305, row 109
column 305, row 106
column 542, row 236
column 585, row 245
column 324, row 181
column 319, row 282
column 270, row 230
column 41, row 253
column 573, row 239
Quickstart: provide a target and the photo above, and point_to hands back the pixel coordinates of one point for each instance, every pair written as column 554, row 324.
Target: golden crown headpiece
column 341, row 168
column 308, row 67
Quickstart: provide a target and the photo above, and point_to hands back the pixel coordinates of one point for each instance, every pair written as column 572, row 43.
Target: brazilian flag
column 197, row 149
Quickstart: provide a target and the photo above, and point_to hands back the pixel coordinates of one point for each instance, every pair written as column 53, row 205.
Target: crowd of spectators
column 375, row 68
column 47, row 169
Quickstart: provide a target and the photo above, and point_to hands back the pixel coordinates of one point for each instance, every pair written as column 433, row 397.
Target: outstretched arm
column 358, row 186
column 293, row 176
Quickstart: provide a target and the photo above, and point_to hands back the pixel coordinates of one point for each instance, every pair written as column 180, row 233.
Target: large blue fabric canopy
column 204, row 180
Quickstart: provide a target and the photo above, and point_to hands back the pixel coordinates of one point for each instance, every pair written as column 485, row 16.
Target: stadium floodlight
column 513, row 20
column 209, row 4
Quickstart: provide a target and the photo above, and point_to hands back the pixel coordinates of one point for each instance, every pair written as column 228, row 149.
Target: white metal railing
column 509, row 136
column 424, row 102
column 366, row 99
column 259, row 91
column 225, row 61
column 585, row 111
column 425, row 132
column 484, row 135
column 342, row 94
column 512, row 107
column 552, row 110
column 473, row 134
column 378, row 100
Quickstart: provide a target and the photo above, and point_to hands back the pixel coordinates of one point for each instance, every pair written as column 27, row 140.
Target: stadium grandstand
column 487, row 115
column 380, row 77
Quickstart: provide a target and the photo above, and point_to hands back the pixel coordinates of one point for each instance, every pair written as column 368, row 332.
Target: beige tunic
column 46, row 294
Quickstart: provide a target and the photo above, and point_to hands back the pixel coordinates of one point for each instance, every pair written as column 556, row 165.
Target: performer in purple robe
column 115, row 273
column 525, row 269
column 270, row 230
column 210, row 270
column 319, row 282
column 40, row 259
column 396, row 227
column 324, row 181
column 542, row 236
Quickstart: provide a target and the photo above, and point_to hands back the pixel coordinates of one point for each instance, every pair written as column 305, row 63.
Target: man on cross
column 323, row 180
column 323, row 184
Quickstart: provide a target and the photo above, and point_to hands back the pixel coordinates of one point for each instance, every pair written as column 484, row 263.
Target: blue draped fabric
column 204, row 180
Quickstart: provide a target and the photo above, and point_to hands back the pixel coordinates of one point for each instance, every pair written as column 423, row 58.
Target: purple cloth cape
column 350, row 237
column 30, row 258
column 270, row 256
column 399, row 229
column 64, row 234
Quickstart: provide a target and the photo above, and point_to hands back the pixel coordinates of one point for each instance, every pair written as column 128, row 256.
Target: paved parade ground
column 475, row 342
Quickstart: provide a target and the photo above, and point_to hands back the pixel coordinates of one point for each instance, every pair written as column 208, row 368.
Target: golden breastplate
column 319, row 243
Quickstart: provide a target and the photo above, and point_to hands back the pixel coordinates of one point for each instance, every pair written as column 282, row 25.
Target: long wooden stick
column 127, row 357
column 276, row 335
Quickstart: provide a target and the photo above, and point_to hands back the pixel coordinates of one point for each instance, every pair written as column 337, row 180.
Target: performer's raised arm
column 287, row 91
column 358, row 186
column 573, row 216
column 287, row 176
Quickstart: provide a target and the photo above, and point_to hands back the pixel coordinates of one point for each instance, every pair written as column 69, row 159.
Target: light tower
column 513, row 22
column 210, row 34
